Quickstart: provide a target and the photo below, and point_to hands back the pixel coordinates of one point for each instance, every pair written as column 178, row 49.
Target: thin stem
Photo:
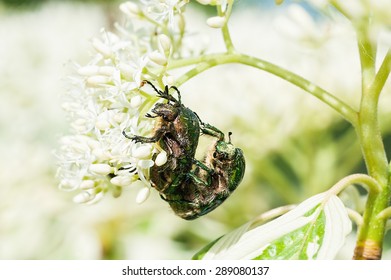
column 367, row 52
column 384, row 214
column 205, row 62
column 362, row 179
column 382, row 75
column 225, row 30
column 340, row 9
column 355, row 217
column 371, row 234
column 271, row 214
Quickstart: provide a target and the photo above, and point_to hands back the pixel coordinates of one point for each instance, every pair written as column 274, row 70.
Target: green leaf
column 315, row 229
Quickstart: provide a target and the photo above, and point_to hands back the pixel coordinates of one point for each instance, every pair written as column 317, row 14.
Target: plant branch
column 225, row 30
column 205, row 62
column 382, row 75
column 362, row 179
column 355, row 216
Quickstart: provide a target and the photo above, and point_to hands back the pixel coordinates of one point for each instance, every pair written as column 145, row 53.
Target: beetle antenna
column 163, row 94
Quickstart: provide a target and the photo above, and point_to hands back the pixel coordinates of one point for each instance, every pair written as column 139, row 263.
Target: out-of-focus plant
column 105, row 99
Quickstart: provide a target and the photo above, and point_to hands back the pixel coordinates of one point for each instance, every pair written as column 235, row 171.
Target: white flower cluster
column 105, row 99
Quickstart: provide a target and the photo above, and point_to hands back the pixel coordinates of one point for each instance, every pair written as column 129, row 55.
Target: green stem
column 367, row 52
column 381, row 76
column 355, row 217
column 385, row 214
column 205, row 62
column 362, row 179
column 225, row 30
column 371, row 234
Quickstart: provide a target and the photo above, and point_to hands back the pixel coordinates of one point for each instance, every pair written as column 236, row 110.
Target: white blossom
column 104, row 100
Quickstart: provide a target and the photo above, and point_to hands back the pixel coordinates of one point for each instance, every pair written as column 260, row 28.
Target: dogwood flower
column 104, row 100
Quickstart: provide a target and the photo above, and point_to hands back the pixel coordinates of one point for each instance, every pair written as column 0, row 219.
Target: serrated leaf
column 315, row 229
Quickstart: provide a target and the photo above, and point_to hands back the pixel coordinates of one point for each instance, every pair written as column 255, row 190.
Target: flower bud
column 102, row 125
column 88, row 70
column 145, row 164
column 68, row 185
column 136, row 101
column 84, row 197
column 126, row 70
column 107, row 70
column 158, row 58
column 164, row 43
column 101, row 47
column 169, row 80
column 161, row 158
column 101, row 169
column 122, row 181
column 98, row 80
column 116, row 191
column 130, row 9
column 216, row 22
column 141, row 151
column 142, row 195
column 87, row 184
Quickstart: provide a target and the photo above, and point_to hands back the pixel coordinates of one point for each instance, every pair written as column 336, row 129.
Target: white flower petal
column 101, row 169
column 164, row 43
column 98, row 80
column 142, row 195
column 136, row 101
column 130, row 8
column 102, row 125
column 145, row 164
column 84, row 197
column 158, row 58
column 122, row 181
column 106, row 70
column 88, row 70
column 142, row 151
column 102, row 47
column 68, row 184
column 87, row 184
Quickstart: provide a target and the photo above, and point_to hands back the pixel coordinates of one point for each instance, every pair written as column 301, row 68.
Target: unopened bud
column 216, row 22
column 142, row 195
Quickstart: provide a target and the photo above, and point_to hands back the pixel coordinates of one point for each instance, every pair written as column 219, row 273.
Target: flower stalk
column 371, row 233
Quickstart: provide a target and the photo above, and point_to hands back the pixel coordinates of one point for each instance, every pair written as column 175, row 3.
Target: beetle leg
column 203, row 166
column 148, row 115
column 198, row 181
column 208, row 129
column 158, row 135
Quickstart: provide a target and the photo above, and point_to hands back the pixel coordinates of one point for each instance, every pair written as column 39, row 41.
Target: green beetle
column 177, row 130
column 191, row 187
column 211, row 182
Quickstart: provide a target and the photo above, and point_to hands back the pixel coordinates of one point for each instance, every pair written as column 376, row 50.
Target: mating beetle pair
column 191, row 187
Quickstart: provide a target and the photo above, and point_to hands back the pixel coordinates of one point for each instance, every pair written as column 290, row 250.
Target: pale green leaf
column 315, row 229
